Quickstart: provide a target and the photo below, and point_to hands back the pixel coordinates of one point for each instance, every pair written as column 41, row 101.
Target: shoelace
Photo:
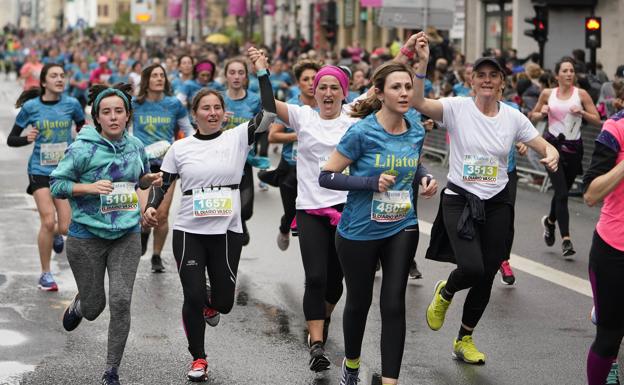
column 199, row 365
column 506, row 268
column 350, row 378
column 468, row 346
column 209, row 312
column 440, row 307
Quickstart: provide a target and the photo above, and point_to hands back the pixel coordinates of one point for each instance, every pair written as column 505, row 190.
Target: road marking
column 536, row 269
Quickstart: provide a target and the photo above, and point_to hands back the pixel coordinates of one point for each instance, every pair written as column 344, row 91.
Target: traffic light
column 539, row 32
column 593, row 34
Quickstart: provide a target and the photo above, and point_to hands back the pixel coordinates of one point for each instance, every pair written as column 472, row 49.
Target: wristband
column 421, row 76
column 407, row 52
column 262, row 72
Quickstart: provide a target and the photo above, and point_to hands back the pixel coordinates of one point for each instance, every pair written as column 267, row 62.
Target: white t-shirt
column 205, row 163
column 317, row 140
column 480, row 144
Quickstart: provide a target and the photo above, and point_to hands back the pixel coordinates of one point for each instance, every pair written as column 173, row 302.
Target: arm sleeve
column 78, row 115
column 603, row 158
column 339, row 181
column 421, row 172
column 157, row 194
column 14, row 139
column 263, row 119
column 66, row 174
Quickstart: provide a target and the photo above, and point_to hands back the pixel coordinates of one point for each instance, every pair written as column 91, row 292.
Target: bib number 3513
column 390, row 206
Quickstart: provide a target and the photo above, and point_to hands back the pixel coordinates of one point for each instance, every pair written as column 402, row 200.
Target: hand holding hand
column 429, row 187
column 385, row 182
column 258, row 59
column 32, row 135
column 149, row 217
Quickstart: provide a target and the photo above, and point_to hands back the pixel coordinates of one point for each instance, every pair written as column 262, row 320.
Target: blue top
column 460, row 89
column 80, row 76
column 374, row 151
column 156, row 121
column 116, row 77
column 244, row 109
column 192, row 87
column 54, row 122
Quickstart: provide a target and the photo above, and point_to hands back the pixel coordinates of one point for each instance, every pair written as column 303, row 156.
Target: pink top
column 610, row 226
column 31, row 72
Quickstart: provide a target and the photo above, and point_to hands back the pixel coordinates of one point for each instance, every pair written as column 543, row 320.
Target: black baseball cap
column 488, row 60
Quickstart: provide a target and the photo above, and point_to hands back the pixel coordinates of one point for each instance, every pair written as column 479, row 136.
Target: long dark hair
column 126, row 90
column 145, row 78
column 36, row 92
column 372, row 103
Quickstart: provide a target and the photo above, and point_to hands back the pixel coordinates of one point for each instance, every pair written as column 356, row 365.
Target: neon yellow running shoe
column 466, row 351
column 437, row 308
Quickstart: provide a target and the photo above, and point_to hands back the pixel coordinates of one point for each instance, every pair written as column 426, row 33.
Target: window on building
column 105, row 10
column 498, row 24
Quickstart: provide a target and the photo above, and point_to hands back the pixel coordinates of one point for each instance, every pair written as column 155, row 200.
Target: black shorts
column 35, row 182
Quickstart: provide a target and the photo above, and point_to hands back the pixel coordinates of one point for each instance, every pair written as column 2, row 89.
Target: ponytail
column 27, row 95
column 366, row 107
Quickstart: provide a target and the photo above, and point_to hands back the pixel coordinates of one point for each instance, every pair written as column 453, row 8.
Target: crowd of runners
column 113, row 127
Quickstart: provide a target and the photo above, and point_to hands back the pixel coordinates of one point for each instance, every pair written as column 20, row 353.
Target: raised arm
column 429, row 107
column 261, row 65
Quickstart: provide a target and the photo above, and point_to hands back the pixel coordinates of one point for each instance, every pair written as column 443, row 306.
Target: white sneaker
column 283, row 240
column 263, row 186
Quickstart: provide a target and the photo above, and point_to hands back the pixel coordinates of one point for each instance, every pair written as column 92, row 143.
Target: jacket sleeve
column 66, row 174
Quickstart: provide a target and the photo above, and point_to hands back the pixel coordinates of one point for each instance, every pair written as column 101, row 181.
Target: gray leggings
column 89, row 259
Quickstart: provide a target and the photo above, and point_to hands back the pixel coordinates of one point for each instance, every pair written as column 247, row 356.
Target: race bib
column 480, row 169
column 295, row 147
column 323, row 161
column 212, row 203
column 390, row 206
column 572, row 125
column 52, row 153
column 122, row 198
column 157, row 150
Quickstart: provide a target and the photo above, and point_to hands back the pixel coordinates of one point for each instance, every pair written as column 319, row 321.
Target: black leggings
column 196, row 254
column 562, row 181
column 323, row 274
column 288, row 193
column 606, row 269
column 512, row 187
column 478, row 259
column 247, row 195
column 359, row 260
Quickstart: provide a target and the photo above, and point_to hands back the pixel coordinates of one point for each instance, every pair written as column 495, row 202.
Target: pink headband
column 335, row 72
column 204, row 66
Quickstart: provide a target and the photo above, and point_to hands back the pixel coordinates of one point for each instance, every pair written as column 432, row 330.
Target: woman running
column 604, row 182
column 379, row 221
column 185, row 72
column 98, row 175
column 203, row 76
column 318, row 209
column 50, row 113
column 156, row 117
column 207, row 233
column 475, row 205
column 565, row 107
column 305, row 71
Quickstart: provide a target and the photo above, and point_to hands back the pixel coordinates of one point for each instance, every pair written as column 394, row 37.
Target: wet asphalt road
column 534, row 332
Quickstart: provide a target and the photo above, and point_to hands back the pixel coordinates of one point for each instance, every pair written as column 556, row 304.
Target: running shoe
column 58, row 243
column 47, row 283
column 414, row 273
column 283, row 240
column 507, row 275
column 436, row 311
column 72, row 315
column 567, row 249
column 349, row 376
column 613, row 378
column 211, row 316
column 110, row 377
column 199, row 371
column 263, row 186
column 465, row 350
column 318, row 360
column 144, row 239
column 157, row 265
column 549, row 231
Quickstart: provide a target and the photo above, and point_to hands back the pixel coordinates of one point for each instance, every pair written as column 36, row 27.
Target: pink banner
column 371, row 3
column 194, row 5
column 175, row 9
column 237, row 7
column 269, row 7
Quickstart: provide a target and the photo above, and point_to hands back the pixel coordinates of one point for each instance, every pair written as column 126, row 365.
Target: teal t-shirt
column 368, row 215
column 243, row 109
column 156, row 121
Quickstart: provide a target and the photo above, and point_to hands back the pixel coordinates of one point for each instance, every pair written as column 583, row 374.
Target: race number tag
column 295, row 147
column 390, row 206
column 157, row 150
column 572, row 125
column 122, row 198
column 480, row 169
column 52, row 153
column 323, row 161
column 212, row 203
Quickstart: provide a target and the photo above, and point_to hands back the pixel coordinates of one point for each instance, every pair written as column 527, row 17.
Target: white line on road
column 536, row 269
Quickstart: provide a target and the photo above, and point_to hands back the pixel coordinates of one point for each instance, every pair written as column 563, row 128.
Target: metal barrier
column 436, row 147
